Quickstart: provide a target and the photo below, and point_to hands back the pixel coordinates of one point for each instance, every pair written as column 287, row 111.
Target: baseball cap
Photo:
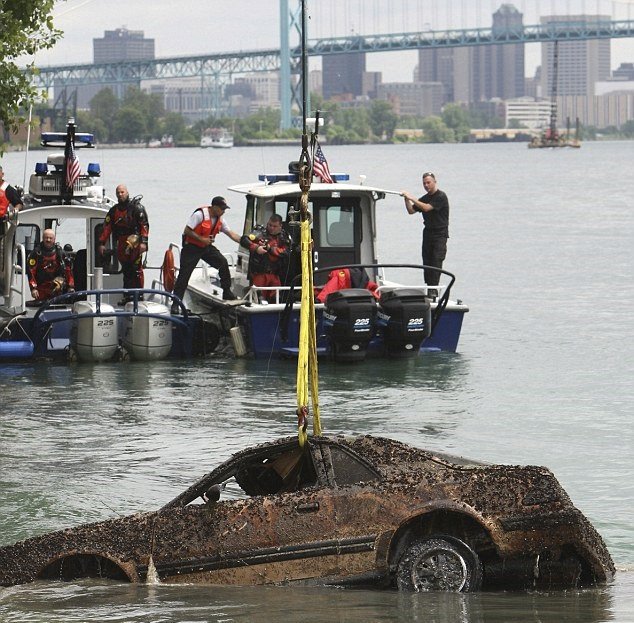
column 220, row 202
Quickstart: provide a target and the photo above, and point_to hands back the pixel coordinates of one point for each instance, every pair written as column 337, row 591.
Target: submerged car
column 344, row 511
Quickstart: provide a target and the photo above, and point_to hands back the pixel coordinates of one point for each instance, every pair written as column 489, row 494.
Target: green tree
column 457, row 118
column 627, row 129
column 129, row 125
column 27, row 27
column 87, row 122
column 173, row 125
column 383, row 120
column 104, row 106
column 149, row 105
column 436, row 131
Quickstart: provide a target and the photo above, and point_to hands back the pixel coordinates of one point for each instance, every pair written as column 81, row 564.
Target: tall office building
column 342, row 74
column 505, row 75
column 437, row 65
column 122, row 45
column 580, row 63
column 479, row 73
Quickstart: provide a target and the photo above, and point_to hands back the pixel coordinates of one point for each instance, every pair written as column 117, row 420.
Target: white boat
column 408, row 317
column 217, row 137
column 100, row 320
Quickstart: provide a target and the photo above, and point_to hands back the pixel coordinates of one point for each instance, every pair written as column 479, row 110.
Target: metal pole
column 286, row 92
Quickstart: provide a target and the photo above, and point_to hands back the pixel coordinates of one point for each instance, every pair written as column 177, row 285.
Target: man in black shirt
column 434, row 206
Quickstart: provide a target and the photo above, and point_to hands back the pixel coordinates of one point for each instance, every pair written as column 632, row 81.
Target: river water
column 541, row 244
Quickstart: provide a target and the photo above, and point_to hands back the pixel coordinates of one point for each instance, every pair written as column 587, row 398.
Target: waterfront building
column 580, row 63
column 415, row 99
column 530, row 113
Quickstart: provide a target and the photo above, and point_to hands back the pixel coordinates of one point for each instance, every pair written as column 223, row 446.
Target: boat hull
column 266, row 334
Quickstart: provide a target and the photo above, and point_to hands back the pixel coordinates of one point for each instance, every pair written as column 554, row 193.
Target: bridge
column 216, row 70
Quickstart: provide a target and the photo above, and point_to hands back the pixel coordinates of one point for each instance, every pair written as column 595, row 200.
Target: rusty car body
column 343, row 511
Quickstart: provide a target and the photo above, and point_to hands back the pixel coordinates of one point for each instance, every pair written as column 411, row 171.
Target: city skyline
column 84, row 20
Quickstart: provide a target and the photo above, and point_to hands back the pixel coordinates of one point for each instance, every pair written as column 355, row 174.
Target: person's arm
column 14, row 198
column 105, row 233
column 32, row 268
column 232, row 234
column 68, row 274
column 414, row 205
column 143, row 225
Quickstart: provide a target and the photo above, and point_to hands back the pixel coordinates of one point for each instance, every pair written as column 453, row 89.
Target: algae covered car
column 344, row 511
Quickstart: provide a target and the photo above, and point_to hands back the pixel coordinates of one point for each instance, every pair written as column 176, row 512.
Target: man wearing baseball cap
column 198, row 243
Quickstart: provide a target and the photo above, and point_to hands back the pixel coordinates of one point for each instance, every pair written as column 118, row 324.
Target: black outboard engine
column 349, row 321
column 404, row 318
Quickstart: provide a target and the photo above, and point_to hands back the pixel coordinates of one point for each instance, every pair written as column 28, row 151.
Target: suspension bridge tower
column 290, row 66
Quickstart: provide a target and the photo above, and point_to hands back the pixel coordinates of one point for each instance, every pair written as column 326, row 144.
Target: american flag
column 72, row 165
column 320, row 166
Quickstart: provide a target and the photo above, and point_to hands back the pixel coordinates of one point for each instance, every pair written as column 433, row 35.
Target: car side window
column 283, row 472
column 350, row 469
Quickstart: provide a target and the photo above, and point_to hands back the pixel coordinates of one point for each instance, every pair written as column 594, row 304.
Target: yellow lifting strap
column 307, row 358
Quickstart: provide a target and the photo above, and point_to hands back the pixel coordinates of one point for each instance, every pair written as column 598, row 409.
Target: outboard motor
column 349, row 321
column 148, row 338
column 94, row 338
column 404, row 318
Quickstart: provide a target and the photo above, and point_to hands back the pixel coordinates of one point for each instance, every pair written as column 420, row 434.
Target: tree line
column 139, row 117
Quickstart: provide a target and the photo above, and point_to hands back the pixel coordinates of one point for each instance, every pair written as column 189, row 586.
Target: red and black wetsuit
column 124, row 219
column 44, row 266
column 268, row 269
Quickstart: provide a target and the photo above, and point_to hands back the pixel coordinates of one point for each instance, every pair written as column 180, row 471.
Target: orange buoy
column 168, row 272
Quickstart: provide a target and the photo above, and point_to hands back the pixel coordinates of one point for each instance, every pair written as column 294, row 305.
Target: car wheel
column 439, row 563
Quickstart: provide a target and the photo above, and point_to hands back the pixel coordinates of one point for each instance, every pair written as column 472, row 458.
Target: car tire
column 439, row 563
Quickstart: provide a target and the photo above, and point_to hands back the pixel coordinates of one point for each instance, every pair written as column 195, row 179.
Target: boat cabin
column 343, row 227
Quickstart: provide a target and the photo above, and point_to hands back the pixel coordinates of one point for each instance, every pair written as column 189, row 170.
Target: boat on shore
column 219, row 138
column 400, row 317
column 100, row 320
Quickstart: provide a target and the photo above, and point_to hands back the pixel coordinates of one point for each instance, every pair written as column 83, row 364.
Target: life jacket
column 4, row 200
column 205, row 229
column 344, row 278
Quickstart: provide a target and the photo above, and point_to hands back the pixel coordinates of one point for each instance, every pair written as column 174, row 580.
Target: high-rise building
column 505, row 71
column 342, row 74
column 479, row 73
column 122, row 45
column 437, row 65
column 580, row 63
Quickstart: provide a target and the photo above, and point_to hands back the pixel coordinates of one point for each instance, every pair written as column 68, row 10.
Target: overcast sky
column 187, row 27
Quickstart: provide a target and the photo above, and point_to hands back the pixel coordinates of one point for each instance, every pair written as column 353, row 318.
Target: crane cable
column 307, row 372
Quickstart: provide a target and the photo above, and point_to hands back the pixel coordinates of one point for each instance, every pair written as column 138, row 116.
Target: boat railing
column 44, row 322
column 257, row 295
column 441, row 293
column 20, row 286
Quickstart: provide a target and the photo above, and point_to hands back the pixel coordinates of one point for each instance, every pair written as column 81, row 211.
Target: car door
column 269, row 537
column 365, row 515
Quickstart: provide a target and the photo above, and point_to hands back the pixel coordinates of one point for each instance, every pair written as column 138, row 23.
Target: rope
column 307, row 374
